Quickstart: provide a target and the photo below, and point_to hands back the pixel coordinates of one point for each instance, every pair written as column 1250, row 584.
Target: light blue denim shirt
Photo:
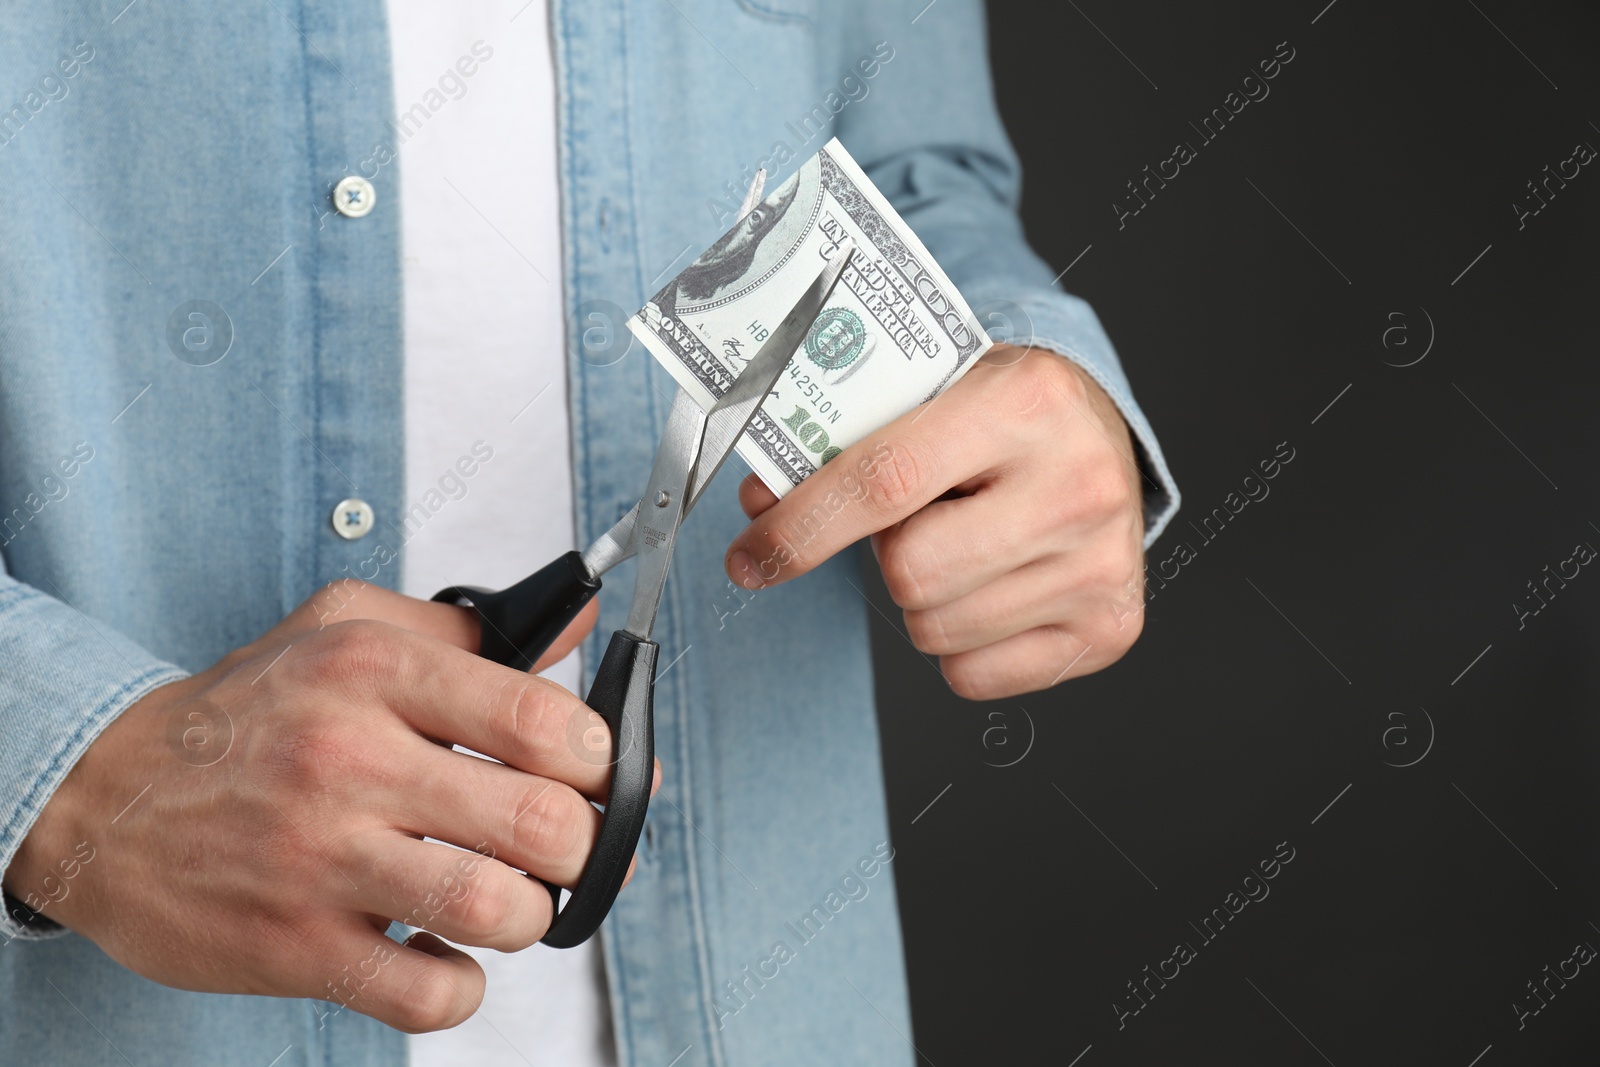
column 156, row 513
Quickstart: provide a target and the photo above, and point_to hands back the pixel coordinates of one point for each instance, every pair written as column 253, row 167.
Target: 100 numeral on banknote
column 895, row 332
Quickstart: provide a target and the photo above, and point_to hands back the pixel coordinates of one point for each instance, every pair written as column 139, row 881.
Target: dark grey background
column 1385, row 561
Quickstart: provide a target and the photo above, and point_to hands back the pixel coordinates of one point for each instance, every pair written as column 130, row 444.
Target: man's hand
column 1006, row 515
column 254, row 828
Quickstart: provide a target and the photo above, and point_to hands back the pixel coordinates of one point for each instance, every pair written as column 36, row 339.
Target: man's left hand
column 1006, row 516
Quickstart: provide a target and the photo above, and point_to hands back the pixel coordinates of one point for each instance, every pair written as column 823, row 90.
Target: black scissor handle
column 622, row 692
column 519, row 623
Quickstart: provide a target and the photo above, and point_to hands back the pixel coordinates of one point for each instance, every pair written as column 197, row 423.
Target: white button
column 354, row 196
column 352, row 519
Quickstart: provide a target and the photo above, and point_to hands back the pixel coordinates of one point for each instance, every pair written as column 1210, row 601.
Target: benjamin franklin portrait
column 743, row 257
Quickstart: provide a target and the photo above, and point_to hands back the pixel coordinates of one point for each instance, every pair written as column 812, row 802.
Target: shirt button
column 354, row 196
column 352, row 519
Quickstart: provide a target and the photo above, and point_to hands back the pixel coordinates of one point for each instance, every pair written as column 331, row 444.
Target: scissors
column 519, row 623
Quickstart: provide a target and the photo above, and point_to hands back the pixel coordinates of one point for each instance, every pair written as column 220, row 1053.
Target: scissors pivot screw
column 663, row 498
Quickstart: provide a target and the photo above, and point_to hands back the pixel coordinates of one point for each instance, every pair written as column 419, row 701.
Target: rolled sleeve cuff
column 66, row 678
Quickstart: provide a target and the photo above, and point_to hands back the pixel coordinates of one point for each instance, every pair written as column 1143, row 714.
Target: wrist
column 27, row 882
column 72, row 826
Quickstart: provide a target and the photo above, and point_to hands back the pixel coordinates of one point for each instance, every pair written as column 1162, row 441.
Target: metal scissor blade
column 752, row 195
column 731, row 414
column 661, row 509
column 616, row 544
column 729, row 417
column 612, row 547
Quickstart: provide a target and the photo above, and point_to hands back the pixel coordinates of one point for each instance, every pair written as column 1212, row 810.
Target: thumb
column 754, row 496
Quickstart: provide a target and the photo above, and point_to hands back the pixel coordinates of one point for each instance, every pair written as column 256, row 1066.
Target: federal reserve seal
column 836, row 339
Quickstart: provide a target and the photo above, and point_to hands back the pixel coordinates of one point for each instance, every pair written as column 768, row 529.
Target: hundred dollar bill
column 895, row 332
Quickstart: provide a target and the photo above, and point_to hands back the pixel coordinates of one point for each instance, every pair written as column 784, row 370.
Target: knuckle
column 1112, row 573
column 910, row 570
column 1131, row 627
column 355, row 651
column 965, row 678
column 1078, row 651
column 430, row 1002
column 1104, row 488
column 1046, row 386
column 520, row 722
column 928, row 632
column 1108, row 485
column 547, row 822
column 1116, row 631
column 485, row 909
column 895, row 480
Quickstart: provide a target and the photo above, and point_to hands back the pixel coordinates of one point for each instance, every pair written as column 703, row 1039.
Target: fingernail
column 742, row 569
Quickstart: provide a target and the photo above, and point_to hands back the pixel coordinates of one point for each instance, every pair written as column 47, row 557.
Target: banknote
column 895, row 332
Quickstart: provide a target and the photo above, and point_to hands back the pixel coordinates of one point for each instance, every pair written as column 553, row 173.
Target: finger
column 1038, row 659
column 416, row 987
column 870, row 486
column 1050, row 591
column 469, row 897
column 348, row 600
column 952, row 547
column 351, row 600
column 533, row 823
column 1017, row 516
column 447, row 694
column 571, row 637
column 754, row 496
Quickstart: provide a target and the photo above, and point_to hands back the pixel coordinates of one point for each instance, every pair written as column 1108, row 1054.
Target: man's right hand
column 254, row 828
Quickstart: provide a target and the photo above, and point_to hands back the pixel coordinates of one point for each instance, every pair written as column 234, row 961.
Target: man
column 201, row 868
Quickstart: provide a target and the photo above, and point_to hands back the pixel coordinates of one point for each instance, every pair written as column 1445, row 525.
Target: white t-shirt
column 485, row 373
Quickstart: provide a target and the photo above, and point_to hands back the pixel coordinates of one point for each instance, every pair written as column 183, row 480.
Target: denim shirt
column 160, row 506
